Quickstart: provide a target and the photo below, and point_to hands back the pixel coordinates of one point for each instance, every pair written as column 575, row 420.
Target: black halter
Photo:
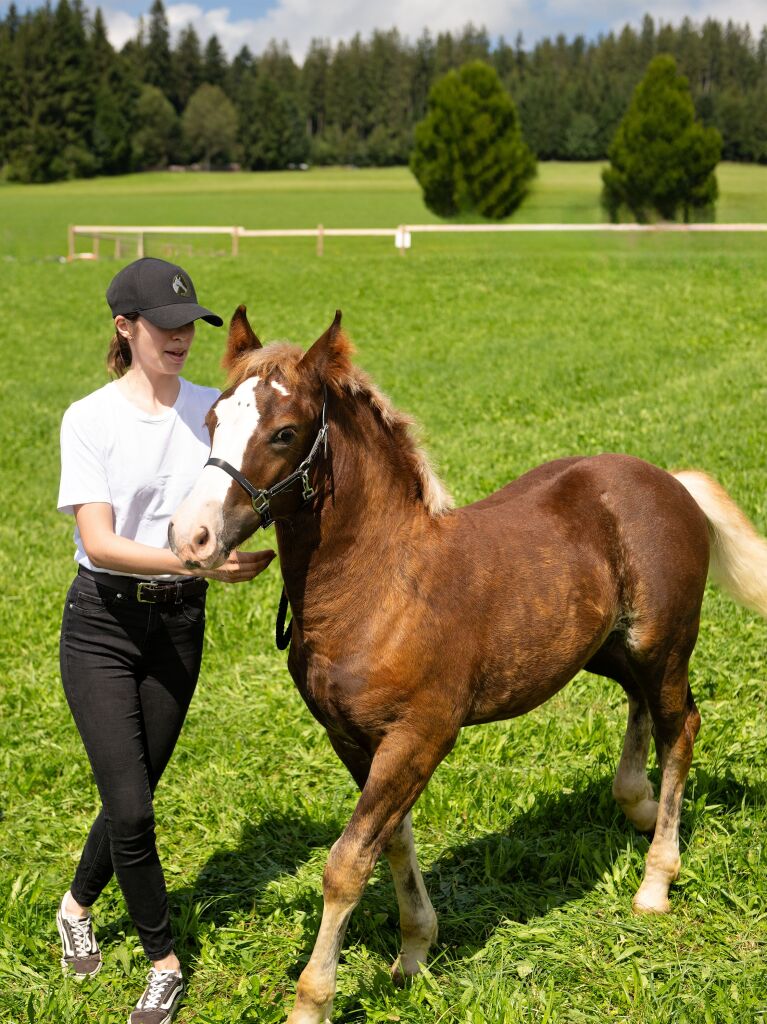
column 261, row 497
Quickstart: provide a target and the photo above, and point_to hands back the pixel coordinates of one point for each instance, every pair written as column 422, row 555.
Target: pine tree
column 188, row 72
column 214, row 66
column 661, row 159
column 469, row 154
column 272, row 127
column 157, row 59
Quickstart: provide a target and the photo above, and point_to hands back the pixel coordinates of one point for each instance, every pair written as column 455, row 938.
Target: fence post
column 140, row 245
column 70, row 243
column 320, row 239
column 235, row 241
column 118, row 248
column 96, row 246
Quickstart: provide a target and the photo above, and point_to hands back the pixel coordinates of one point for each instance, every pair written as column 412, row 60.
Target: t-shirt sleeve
column 83, row 469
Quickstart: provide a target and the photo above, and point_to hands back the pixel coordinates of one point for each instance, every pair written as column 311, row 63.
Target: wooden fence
column 402, row 235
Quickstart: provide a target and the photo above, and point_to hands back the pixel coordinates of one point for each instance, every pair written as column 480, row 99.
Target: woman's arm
column 108, row 551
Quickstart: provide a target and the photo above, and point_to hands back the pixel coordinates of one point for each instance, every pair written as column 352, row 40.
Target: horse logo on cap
column 180, row 287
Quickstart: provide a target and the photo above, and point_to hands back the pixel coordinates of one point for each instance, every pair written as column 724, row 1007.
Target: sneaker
column 160, row 998
column 81, row 956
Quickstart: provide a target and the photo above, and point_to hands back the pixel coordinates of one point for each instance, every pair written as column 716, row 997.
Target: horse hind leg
column 418, row 921
column 677, row 722
column 631, row 787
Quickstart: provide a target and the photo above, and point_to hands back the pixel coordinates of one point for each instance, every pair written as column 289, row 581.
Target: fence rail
column 402, row 235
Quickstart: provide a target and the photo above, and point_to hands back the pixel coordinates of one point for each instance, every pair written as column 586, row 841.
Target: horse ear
column 241, row 338
column 330, row 355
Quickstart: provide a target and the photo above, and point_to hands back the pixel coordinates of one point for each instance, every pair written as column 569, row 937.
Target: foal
column 412, row 619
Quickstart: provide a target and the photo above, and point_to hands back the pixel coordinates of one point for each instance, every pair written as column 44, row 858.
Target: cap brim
column 179, row 313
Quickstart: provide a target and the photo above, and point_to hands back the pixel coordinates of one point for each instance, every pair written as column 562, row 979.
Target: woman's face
column 155, row 349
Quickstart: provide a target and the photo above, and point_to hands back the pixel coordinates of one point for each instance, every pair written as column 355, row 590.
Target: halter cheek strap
column 260, row 498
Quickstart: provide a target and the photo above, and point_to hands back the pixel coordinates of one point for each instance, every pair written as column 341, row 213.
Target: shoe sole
column 67, row 968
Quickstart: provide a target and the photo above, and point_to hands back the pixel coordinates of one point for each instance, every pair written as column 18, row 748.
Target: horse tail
column 738, row 553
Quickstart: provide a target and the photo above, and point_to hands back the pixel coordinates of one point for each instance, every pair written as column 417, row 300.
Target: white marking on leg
column 342, row 890
column 663, row 861
column 631, row 787
column 418, row 921
column 280, row 387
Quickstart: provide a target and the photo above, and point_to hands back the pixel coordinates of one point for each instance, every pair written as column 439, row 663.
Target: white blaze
column 281, row 388
column 237, row 418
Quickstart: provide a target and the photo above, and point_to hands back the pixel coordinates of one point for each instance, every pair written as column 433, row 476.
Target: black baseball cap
column 160, row 291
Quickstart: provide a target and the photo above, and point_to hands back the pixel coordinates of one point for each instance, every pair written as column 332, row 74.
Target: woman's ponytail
column 119, row 355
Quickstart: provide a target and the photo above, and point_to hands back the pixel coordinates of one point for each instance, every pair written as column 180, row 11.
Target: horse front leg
column 401, row 767
column 418, row 922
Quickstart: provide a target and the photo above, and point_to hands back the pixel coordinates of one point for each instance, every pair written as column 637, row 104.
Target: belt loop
column 179, row 591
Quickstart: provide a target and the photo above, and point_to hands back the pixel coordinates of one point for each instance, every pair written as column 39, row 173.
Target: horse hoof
column 644, row 815
column 650, row 903
column 404, row 967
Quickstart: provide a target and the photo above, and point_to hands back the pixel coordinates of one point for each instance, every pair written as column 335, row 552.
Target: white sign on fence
column 402, row 238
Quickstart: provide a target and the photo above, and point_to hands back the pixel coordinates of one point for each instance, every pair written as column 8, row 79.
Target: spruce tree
column 188, row 74
column 214, row 66
column 661, row 160
column 157, row 62
column 469, row 154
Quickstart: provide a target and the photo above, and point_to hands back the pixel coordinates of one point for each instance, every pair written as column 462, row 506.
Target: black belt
column 147, row 591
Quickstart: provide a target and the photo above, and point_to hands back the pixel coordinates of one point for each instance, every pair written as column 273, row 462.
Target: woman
column 131, row 638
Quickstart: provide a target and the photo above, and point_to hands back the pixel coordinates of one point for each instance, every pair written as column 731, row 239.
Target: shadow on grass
column 232, row 880
column 553, row 854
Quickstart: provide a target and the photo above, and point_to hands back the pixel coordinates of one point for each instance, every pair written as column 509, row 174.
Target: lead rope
column 282, row 635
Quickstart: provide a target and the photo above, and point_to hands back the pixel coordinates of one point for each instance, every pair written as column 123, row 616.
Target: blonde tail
column 738, row 553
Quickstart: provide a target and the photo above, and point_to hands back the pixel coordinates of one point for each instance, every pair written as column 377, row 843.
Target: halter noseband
column 261, row 497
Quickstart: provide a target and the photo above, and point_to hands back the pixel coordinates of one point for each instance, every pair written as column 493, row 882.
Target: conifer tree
column 469, row 154
column 661, row 160
column 157, row 62
column 188, row 72
column 214, row 63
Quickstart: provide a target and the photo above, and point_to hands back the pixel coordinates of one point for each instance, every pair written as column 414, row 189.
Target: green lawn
column 510, row 351
column 34, row 218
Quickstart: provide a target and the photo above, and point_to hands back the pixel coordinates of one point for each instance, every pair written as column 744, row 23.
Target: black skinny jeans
column 129, row 671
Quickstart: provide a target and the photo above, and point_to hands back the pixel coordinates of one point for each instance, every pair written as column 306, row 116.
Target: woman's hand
column 239, row 567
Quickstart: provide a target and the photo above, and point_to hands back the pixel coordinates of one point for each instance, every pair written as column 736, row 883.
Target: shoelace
column 81, row 934
column 156, row 988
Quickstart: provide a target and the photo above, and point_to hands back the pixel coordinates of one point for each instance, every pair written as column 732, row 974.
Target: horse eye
column 284, row 436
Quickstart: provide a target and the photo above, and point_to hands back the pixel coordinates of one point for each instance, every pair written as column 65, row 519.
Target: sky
column 297, row 22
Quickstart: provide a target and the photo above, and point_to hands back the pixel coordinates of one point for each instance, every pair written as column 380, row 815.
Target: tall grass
column 509, row 352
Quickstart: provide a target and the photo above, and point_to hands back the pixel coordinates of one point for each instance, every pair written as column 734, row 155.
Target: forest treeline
column 72, row 106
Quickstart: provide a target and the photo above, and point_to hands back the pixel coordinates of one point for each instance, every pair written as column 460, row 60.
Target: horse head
column 264, row 432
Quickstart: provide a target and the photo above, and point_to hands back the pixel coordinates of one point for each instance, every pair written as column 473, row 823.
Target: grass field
column 34, row 219
column 509, row 352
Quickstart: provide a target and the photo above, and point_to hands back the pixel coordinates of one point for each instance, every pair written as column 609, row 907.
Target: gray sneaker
column 81, row 956
column 160, row 998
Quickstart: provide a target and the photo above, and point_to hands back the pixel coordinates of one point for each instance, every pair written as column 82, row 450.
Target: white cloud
column 299, row 21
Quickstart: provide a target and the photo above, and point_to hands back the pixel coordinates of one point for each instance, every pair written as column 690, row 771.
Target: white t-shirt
column 142, row 465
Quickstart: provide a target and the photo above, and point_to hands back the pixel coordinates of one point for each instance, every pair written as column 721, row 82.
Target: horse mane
column 347, row 380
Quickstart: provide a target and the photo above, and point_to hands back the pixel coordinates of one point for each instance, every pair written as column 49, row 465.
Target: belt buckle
column 151, row 589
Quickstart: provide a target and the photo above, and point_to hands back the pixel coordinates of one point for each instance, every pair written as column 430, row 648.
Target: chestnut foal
column 412, row 619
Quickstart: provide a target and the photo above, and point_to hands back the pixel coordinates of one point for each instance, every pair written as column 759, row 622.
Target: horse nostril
column 201, row 538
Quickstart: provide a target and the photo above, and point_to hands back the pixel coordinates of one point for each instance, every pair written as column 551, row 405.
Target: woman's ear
column 122, row 327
